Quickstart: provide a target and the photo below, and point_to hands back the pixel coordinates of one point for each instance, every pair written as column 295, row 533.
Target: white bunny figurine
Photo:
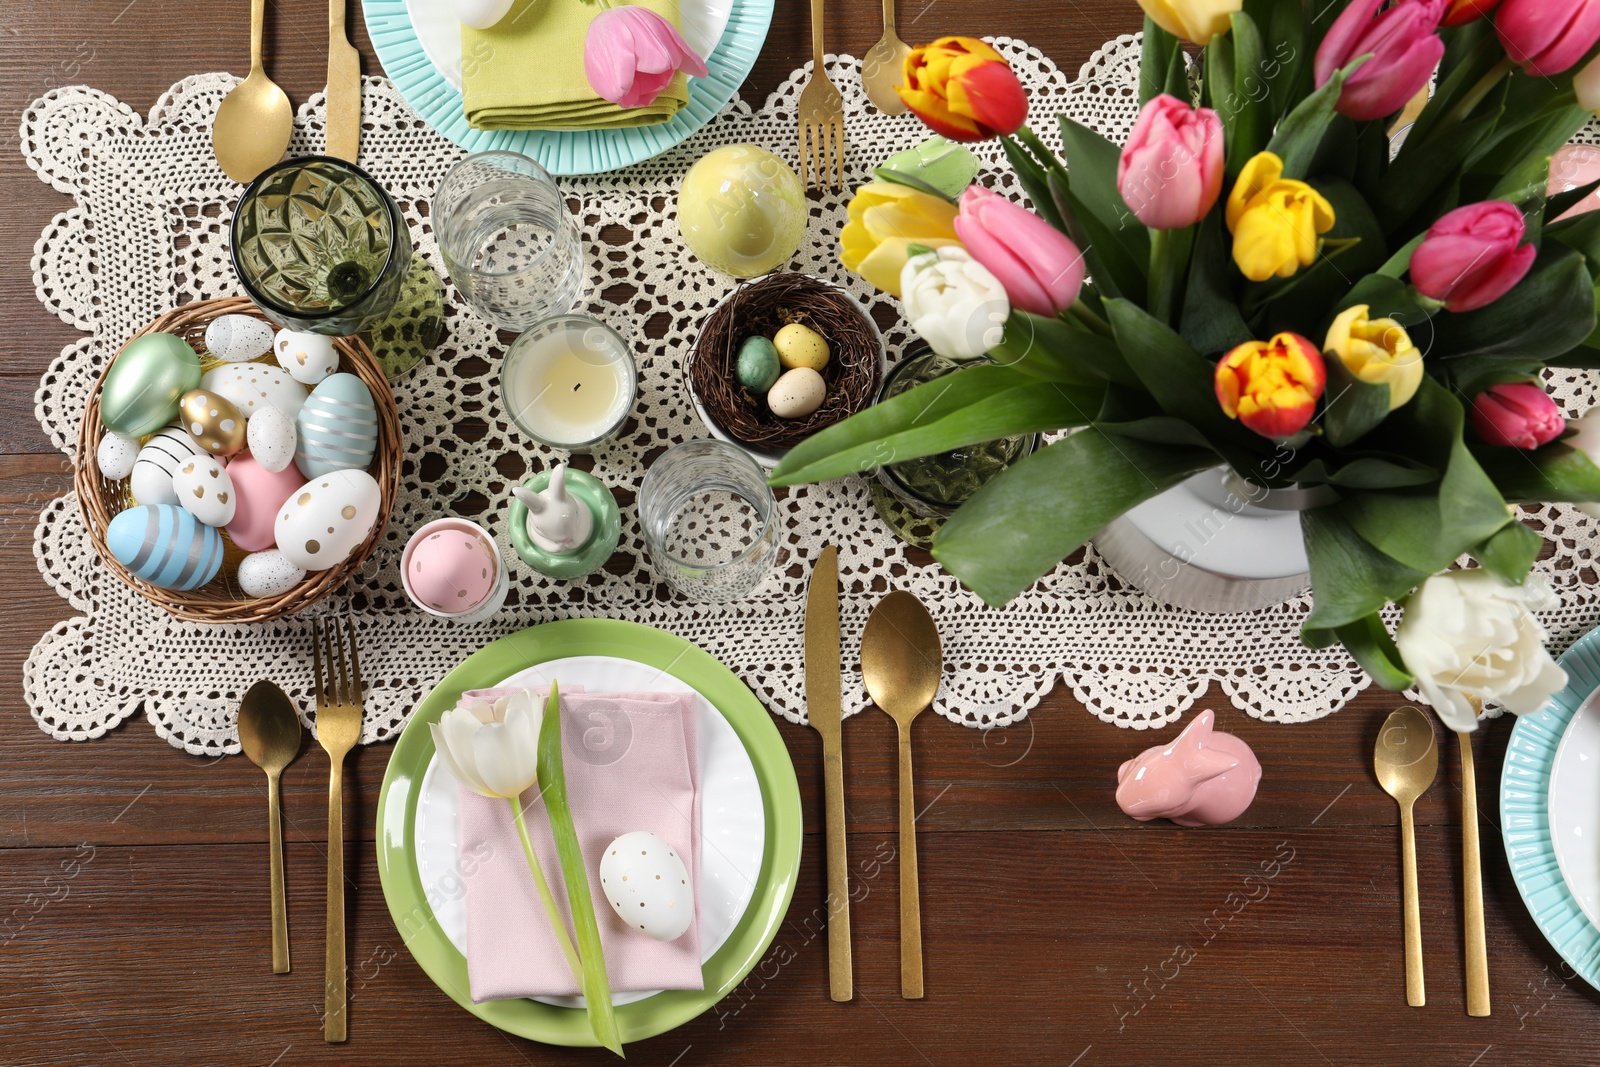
column 557, row 521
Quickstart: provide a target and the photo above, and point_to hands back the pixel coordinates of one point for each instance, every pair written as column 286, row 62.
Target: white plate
column 1575, row 807
column 732, row 817
column 439, row 32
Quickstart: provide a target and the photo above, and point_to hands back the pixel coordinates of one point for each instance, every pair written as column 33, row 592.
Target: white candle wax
column 569, row 381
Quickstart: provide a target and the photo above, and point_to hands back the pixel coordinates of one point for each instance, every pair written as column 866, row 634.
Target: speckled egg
column 165, row 545
column 238, row 338
column 797, row 394
column 213, row 421
column 251, row 385
column 328, row 518
column 270, row 435
column 337, row 428
column 799, row 345
column 758, row 365
column 308, row 357
column 263, row 574
column 260, row 493
column 451, row 570
column 205, row 491
column 647, row 885
column 166, row 450
column 115, row 456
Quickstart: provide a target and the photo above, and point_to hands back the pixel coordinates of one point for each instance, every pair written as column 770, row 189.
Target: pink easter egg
column 450, row 570
column 261, row 493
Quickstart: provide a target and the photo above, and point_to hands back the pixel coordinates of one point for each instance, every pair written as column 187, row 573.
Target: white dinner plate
column 1575, row 807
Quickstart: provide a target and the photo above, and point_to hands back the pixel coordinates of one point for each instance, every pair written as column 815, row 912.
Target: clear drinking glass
column 509, row 243
column 710, row 521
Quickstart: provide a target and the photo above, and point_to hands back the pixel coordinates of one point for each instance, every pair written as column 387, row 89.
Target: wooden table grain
column 133, row 906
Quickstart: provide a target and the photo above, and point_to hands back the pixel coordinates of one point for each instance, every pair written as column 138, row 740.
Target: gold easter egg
column 213, row 421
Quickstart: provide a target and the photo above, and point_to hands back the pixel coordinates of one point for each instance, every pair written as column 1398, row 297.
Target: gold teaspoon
column 253, row 122
column 1406, row 760
column 883, row 67
column 269, row 733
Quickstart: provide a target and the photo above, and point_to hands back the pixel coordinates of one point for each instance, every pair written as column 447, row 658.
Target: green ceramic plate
column 397, row 814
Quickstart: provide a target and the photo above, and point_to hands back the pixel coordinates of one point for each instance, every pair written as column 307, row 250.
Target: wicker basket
column 220, row 600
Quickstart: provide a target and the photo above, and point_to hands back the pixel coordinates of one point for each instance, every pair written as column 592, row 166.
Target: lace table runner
column 148, row 230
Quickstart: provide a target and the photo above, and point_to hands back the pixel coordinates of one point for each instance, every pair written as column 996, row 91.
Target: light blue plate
column 1525, row 814
column 565, row 152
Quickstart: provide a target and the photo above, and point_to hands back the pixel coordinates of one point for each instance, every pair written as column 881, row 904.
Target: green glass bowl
column 595, row 551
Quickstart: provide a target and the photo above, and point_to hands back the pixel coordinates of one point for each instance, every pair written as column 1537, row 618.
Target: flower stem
column 1161, row 280
column 556, row 921
column 1476, row 94
column 1083, row 314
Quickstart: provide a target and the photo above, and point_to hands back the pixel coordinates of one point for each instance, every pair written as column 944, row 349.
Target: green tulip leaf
column 1217, row 82
column 1556, row 472
column 1284, row 67
column 1369, row 644
column 1349, row 578
column 1211, row 322
column 1060, row 350
column 1352, row 406
column 1111, row 265
column 1582, row 232
column 1416, row 175
column 1092, row 178
column 1549, row 311
column 1301, row 131
column 1035, row 178
column 1367, row 472
column 1159, row 51
column 1561, row 203
column 1510, row 552
column 1041, row 510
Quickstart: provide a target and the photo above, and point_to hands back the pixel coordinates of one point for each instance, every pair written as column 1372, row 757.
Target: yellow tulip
column 1193, row 20
column 885, row 219
column 1376, row 350
column 1276, row 222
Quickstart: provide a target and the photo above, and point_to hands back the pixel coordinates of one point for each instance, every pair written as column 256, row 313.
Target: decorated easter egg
column 165, row 545
column 758, row 365
column 337, row 428
column 797, row 394
column 308, row 357
column 259, row 494
column 270, row 435
column 167, row 449
column 253, row 385
column 451, row 570
column 647, row 885
column 238, row 338
column 140, row 392
column 205, row 491
column 213, row 421
column 799, row 345
column 741, row 210
column 328, row 518
column 270, row 573
column 115, row 456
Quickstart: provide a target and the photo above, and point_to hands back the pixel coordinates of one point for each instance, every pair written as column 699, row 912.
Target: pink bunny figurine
column 1202, row 778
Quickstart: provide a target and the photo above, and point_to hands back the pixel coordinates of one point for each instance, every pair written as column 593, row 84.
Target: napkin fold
column 526, row 71
column 631, row 763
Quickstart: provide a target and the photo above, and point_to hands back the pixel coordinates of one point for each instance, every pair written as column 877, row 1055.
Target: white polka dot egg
column 250, row 385
column 647, row 885
column 308, row 357
column 327, row 519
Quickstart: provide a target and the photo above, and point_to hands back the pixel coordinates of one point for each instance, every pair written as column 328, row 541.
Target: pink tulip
column 632, row 53
column 1404, row 46
column 1038, row 265
column 1170, row 172
column 1547, row 36
column 1473, row 255
column 1516, row 415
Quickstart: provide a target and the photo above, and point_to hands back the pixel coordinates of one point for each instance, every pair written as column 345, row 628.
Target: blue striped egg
column 337, row 427
column 166, row 546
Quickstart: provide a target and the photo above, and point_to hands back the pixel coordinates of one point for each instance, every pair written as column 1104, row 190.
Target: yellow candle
column 569, row 382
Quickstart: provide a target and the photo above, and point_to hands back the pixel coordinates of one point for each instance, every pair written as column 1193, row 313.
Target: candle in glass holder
column 569, row 382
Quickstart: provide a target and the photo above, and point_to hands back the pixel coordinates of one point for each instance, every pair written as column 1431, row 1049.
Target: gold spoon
column 1406, row 760
column 901, row 660
column 252, row 126
column 883, row 67
column 269, row 733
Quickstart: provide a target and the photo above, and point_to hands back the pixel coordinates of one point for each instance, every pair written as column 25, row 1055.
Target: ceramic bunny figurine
column 557, row 521
column 1202, row 778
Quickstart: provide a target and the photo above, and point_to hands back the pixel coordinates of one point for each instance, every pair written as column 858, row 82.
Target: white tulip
column 953, row 302
column 1472, row 634
column 492, row 746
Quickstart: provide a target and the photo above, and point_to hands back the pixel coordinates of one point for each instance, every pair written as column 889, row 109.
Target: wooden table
column 133, row 910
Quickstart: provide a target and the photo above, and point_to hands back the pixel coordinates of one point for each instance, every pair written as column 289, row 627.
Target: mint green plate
column 780, row 793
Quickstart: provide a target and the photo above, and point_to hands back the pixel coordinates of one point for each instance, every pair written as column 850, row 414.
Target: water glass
column 320, row 246
column 710, row 522
column 509, row 243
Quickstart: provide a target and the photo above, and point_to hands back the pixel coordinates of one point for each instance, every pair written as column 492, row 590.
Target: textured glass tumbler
column 709, row 520
column 320, row 247
column 509, row 243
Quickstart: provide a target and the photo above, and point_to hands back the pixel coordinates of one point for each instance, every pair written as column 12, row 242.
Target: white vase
column 1214, row 543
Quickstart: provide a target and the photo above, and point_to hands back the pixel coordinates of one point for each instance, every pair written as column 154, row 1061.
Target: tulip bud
column 1276, row 222
column 885, row 220
column 1473, row 255
column 1193, row 20
column 1377, row 351
column 1170, row 172
column 1402, row 49
column 1547, row 36
column 1272, row 386
column 1461, row 12
column 1039, row 266
column 963, row 89
column 631, row 54
column 1517, row 415
column 953, row 302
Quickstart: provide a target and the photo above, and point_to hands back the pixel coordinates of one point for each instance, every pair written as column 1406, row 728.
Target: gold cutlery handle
column 1416, row 994
column 910, row 906
column 1477, row 955
column 839, row 966
column 817, row 52
column 258, row 21
column 888, row 18
column 280, row 918
column 333, row 1023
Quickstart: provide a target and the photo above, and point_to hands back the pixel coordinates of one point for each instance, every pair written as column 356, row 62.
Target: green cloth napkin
column 526, row 72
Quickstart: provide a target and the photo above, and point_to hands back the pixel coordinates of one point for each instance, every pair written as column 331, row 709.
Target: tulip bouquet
column 1269, row 276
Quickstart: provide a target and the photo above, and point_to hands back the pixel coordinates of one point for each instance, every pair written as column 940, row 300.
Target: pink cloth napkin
column 631, row 763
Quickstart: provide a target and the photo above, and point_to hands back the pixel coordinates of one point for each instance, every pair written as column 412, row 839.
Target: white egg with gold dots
column 647, row 885
column 328, row 518
column 252, row 385
column 308, row 357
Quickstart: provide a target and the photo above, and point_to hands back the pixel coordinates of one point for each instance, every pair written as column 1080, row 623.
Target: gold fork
column 338, row 729
column 821, row 118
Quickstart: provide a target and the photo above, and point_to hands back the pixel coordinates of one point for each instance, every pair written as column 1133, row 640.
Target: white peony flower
column 492, row 746
column 953, row 302
column 1472, row 634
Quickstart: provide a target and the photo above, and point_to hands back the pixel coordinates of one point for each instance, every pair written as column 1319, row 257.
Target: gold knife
column 342, row 128
column 824, row 710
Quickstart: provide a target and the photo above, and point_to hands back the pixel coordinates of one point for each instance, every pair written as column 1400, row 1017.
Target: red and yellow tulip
column 1272, row 386
column 963, row 89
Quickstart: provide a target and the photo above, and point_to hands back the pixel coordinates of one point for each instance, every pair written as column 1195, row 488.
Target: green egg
column 141, row 390
column 758, row 364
